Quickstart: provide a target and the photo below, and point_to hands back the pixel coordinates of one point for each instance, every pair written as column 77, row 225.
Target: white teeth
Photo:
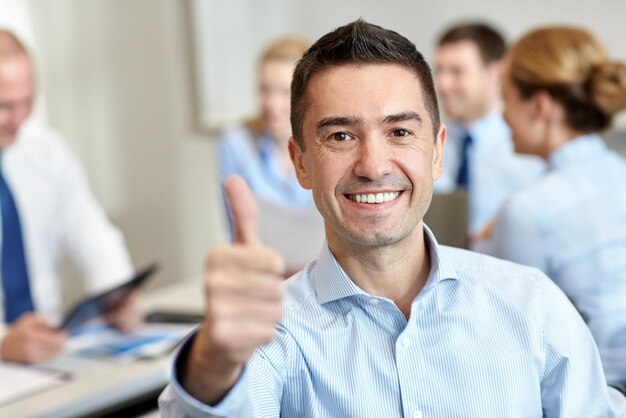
column 374, row 198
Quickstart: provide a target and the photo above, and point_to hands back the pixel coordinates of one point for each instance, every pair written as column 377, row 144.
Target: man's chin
column 452, row 113
column 373, row 239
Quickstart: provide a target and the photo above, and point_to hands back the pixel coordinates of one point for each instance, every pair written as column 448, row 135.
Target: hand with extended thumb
column 243, row 289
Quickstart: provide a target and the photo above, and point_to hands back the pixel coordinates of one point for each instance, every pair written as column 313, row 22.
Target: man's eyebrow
column 338, row 121
column 403, row 117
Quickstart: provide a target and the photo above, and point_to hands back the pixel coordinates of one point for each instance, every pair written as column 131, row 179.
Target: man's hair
column 489, row 41
column 358, row 43
column 10, row 45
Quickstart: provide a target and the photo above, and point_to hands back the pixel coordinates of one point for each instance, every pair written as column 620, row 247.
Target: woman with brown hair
column 560, row 91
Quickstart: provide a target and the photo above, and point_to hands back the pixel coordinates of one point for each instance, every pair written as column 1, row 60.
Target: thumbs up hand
column 243, row 289
column 245, row 211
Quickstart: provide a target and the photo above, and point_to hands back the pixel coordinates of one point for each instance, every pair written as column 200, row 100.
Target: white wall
column 118, row 79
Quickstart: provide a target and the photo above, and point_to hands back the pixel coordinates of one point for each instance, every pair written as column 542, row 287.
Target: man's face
column 17, row 90
column 464, row 82
column 370, row 156
column 274, row 90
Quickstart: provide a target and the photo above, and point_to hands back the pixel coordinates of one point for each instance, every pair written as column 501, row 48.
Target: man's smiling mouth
column 373, row 198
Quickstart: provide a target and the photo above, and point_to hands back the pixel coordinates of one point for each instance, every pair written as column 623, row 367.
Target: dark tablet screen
column 102, row 303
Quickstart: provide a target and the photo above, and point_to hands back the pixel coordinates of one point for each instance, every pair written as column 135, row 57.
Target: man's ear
column 297, row 159
column 440, row 143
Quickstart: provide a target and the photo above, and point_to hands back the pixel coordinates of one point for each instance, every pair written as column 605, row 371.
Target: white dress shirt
column 495, row 171
column 59, row 217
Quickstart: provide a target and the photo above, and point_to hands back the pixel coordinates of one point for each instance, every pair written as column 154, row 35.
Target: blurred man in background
column 47, row 212
column 479, row 155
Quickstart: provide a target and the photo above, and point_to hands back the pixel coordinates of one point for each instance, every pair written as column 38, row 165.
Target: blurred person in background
column 48, row 212
column 479, row 156
column 560, row 91
column 257, row 151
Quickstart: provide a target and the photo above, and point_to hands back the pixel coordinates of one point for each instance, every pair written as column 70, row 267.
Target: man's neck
column 397, row 272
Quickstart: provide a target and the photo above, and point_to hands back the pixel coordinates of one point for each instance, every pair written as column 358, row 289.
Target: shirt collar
column 332, row 283
column 578, row 149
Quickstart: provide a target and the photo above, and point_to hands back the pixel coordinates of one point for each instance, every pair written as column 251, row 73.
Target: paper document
column 18, row 381
column 151, row 340
column 297, row 233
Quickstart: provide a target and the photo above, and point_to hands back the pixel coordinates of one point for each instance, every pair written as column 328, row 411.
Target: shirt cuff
column 231, row 405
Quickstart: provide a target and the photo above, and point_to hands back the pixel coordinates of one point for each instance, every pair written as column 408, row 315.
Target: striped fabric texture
column 485, row 338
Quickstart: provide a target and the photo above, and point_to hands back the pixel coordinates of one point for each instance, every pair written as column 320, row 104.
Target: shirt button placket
column 406, row 341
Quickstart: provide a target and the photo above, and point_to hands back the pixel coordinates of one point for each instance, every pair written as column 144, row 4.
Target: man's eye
column 340, row 136
column 400, row 132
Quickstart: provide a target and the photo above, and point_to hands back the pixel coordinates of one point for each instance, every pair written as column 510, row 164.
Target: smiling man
column 385, row 322
column 479, row 152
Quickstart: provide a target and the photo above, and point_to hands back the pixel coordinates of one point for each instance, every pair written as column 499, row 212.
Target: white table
column 98, row 386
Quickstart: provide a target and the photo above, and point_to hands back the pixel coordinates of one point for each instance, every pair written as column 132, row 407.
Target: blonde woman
column 257, row 151
column 560, row 91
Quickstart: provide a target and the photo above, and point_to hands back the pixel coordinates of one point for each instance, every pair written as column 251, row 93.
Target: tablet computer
column 102, row 303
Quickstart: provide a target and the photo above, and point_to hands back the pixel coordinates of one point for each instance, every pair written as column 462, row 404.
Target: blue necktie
column 17, row 298
column 464, row 173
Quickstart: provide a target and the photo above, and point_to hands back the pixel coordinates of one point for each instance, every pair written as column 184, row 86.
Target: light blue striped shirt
column 572, row 225
column 485, row 338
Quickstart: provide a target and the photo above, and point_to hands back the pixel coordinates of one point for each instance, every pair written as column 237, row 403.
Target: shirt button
column 406, row 341
column 417, row 414
column 374, row 301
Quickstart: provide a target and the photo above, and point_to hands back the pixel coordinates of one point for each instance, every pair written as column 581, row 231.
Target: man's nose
column 373, row 160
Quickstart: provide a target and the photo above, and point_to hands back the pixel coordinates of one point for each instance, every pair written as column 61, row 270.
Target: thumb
column 245, row 210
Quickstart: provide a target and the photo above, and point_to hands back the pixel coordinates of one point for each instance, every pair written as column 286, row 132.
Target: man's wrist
column 203, row 374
